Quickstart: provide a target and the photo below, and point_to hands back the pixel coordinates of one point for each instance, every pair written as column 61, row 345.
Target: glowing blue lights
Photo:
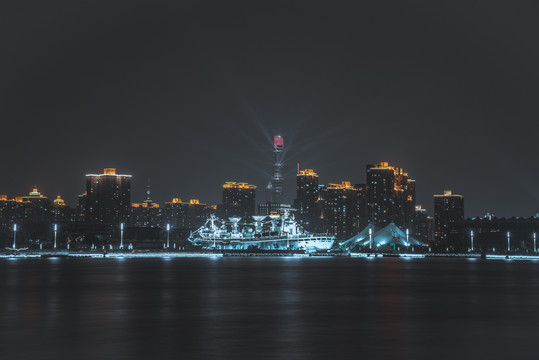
column 55, row 233
column 415, row 256
column 14, row 236
column 513, row 257
column 121, row 235
column 168, row 236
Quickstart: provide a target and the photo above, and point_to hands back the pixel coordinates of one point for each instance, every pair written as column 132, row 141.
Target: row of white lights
column 509, row 241
column 370, row 236
column 55, row 227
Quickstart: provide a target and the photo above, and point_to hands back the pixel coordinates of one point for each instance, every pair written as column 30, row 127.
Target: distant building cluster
column 387, row 196
column 105, row 204
column 385, row 200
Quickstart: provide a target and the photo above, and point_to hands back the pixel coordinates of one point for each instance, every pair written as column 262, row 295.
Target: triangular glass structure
column 391, row 235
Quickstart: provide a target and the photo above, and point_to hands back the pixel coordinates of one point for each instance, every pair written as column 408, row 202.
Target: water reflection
column 267, row 308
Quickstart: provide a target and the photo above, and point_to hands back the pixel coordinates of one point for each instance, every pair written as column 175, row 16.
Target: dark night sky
column 188, row 93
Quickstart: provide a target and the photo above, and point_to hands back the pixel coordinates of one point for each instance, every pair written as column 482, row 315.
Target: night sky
column 189, row 93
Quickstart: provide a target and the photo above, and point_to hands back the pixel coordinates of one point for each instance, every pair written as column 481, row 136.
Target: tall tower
column 274, row 189
column 148, row 191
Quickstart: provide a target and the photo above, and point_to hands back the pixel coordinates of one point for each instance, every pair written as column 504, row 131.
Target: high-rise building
column 362, row 205
column 146, row 214
column 390, row 196
column 37, row 207
column 274, row 189
column 449, row 220
column 32, row 213
column 11, row 212
column 61, row 211
column 108, row 197
column 408, row 201
column 186, row 215
column 34, row 210
column 269, row 208
column 423, row 224
column 81, row 207
column 306, row 203
column 341, row 209
column 238, row 199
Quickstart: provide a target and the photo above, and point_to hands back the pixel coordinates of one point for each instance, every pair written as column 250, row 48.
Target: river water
column 269, row 308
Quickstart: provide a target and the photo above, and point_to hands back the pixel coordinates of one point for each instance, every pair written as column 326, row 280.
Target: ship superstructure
column 273, row 232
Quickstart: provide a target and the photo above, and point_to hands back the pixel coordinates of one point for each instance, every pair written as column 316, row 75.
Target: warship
column 272, row 232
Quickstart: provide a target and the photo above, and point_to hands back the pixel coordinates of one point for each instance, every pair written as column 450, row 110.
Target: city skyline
column 139, row 195
column 268, row 179
column 192, row 109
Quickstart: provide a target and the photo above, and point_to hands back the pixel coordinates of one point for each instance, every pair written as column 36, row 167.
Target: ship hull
column 311, row 243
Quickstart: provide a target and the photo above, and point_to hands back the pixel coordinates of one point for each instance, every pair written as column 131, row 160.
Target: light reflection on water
column 268, row 308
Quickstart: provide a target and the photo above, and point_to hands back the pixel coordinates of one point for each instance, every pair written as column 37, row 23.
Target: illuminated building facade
column 81, row 207
column 274, row 189
column 11, row 212
column 108, row 197
column 61, row 211
column 390, row 196
column 33, row 213
column 407, row 204
column 306, row 203
column 186, row 215
column 423, row 224
column 145, row 214
column 37, row 207
column 238, row 199
column 449, row 220
column 269, row 208
column 342, row 209
column 29, row 208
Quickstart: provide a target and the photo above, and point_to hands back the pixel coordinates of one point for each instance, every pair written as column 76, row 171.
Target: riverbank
column 213, row 254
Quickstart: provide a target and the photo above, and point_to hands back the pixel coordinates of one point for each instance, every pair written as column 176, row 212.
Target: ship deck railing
column 270, row 238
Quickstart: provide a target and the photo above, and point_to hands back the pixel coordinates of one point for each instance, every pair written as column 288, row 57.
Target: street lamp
column 408, row 238
column 471, row 237
column 14, row 235
column 55, row 232
column 534, row 242
column 121, row 235
column 508, row 241
column 168, row 236
column 370, row 237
